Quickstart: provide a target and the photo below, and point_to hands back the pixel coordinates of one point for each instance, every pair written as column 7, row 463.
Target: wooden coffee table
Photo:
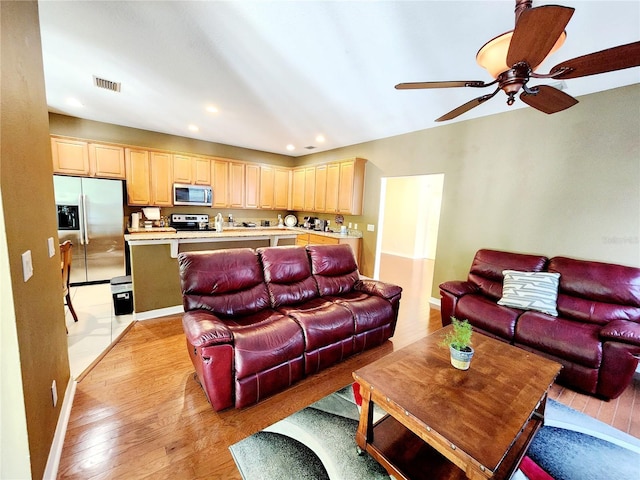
column 448, row 423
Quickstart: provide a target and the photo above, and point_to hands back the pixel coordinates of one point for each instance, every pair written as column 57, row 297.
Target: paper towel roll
column 135, row 220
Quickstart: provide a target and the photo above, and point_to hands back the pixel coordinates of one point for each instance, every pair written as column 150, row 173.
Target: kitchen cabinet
column 191, row 170
column 220, row 183
column 87, row 159
column 351, row 186
column 281, row 181
column 106, row 161
column 161, row 168
column 320, row 188
column 332, row 188
column 315, row 239
column 138, row 174
column 252, row 186
column 297, row 189
column 267, row 186
column 309, row 189
column 236, row 185
column 70, row 157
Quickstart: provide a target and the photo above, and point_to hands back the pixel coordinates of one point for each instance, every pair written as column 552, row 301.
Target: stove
column 181, row 221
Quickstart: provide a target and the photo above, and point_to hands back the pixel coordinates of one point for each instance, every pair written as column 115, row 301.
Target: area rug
column 318, row 443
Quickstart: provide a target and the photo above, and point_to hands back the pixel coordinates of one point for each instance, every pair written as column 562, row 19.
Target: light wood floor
column 139, row 413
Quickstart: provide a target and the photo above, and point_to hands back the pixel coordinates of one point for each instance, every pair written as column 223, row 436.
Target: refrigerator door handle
column 81, row 219
column 85, row 226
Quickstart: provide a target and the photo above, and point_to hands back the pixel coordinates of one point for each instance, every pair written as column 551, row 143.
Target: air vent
column 310, row 147
column 106, row 84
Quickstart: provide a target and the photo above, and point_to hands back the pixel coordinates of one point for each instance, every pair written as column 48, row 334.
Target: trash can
column 122, row 292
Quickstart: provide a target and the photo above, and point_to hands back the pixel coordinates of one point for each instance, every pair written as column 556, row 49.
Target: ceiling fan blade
column 548, row 99
column 466, row 107
column 536, row 33
column 609, row 60
column 450, row 84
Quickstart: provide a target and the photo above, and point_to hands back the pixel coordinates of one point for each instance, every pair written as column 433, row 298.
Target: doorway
column 408, row 222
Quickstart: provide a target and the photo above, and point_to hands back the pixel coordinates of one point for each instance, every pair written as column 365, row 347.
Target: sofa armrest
column 458, row 288
column 203, row 329
column 378, row 288
column 623, row 331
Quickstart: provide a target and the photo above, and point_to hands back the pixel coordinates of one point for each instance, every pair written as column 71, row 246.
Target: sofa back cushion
column 334, row 268
column 226, row 282
column 488, row 265
column 288, row 275
column 597, row 292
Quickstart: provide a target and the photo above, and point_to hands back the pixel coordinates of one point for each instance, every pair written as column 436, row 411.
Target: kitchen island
column 154, row 252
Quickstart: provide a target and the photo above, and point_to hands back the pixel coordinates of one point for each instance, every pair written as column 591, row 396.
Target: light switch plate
column 370, row 227
column 52, row 247
column 27, row 265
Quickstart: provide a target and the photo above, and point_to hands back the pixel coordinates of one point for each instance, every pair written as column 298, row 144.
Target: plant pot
column 461, row 359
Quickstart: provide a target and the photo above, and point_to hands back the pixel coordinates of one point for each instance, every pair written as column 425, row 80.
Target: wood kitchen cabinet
column 351, row 186
column 70, row 157
column 252, row 185
column 320, row 188
column 87, row 159
column 236, row 185
column 332, row 188
column 281, row 181
column 161, row 169
column 138, row 174
column 106, row 161
column 191, row 170
column 267, row 186
column 297, row 189
column 315, row 239
column 220, row 183
column 309, row 189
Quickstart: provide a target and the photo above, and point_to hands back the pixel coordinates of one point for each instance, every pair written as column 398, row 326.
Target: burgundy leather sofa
column 257, row 321
column 596, row 335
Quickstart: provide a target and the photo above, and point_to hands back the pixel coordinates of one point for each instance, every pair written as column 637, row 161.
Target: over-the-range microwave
column 199, row 195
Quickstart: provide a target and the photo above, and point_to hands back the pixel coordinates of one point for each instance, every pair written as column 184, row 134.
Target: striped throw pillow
column 530, row 291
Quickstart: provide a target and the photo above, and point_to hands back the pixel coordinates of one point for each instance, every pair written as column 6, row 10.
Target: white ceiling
column 282, row 72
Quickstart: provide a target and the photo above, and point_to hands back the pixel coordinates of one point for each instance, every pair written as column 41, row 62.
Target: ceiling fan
column 512, row 58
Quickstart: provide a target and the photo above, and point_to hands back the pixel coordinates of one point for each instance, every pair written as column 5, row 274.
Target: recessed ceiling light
column 212, row 109
column 193, row 128
column 74, row 102
column 291, row 148
column 320, row 139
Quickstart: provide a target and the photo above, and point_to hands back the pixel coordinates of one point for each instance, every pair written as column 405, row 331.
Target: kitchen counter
column 168, row 235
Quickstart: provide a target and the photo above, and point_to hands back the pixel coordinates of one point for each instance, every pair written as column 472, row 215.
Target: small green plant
column 460, row 337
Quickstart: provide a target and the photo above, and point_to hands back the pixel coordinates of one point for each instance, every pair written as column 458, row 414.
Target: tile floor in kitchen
column 96, row 328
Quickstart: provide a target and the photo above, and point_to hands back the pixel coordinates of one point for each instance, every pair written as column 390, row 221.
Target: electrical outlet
column 51, row 246
column 54, row 393
column 350, row 225
column 370, row 228
column 355, row 226
column 27, row 265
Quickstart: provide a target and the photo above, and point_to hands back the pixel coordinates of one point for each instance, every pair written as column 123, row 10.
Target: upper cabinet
column 281, row 181
column 220, row 182
column 149, row 177
column 297, row 189
column 236, row 185
column 191, row 170
column 267, row 184
column 351, row 186
column 252, row 185
column 87, row 159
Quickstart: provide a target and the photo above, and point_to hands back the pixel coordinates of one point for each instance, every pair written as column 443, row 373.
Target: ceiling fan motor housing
column 513, row 80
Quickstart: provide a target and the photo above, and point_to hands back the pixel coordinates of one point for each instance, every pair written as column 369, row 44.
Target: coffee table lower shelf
column 406, row 456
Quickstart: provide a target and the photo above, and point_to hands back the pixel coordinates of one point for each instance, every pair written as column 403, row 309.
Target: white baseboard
column 435, row 303
column 53, row 462
column 160, row 312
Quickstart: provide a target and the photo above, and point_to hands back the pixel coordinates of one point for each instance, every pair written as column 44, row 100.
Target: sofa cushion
column 288, row 275
column 488, row 265
column 488, row 316
column 368, row 311
column 226, row 282
column 334, row 268
column 265, row 343
column 597, row 292
column 575, row 341
column 530, row 291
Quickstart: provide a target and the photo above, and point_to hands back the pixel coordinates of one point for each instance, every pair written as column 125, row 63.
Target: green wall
column 32, row 311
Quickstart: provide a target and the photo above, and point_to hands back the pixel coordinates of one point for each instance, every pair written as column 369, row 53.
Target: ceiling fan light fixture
column 493, row 54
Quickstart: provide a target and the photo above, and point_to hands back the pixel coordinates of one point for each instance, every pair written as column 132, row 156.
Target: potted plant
column 459, row 342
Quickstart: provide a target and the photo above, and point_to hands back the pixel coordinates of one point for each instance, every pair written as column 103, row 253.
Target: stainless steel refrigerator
column 90, row 214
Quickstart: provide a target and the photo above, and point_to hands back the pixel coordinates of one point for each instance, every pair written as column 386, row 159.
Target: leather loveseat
column 596, row 333
column 257, row 321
